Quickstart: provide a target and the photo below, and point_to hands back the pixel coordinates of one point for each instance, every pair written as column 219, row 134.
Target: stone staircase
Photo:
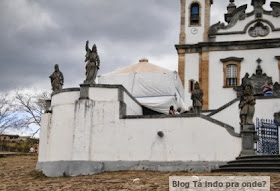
column 257, row 163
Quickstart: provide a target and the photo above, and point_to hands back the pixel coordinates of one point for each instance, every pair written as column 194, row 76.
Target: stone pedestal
column 249, row 137
column 84, row 91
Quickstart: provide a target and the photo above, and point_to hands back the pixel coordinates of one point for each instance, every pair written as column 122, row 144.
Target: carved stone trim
column 254, row 32
column 275, row 9
column 258, row 7
column 240, row 14
column 237, row 14
column 245, row 28
column 236, row 59
column 230, row 45
column 261, row 21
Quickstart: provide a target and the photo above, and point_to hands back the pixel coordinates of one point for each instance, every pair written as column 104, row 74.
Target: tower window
column 231, row 79
column 194, row 17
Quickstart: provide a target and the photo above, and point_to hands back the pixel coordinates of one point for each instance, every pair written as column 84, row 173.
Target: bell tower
column 195, row 21
column 194, row 28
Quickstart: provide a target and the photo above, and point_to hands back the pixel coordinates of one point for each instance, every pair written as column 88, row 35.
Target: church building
column 219, row 56
column 103, row 127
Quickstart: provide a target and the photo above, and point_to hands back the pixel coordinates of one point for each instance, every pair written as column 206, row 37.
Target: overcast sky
column 37, row 34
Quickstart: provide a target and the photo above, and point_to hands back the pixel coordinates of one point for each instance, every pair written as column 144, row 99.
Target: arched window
column 231, row 79
column 194, row 14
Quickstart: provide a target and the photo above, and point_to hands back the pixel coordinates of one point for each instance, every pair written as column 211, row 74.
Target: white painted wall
column 62, row 124
column 92, row 130
column 102, row 94
column 44, row 136
column 218, row 95
column 132, row 108
column 264, row 108
column 184, row 139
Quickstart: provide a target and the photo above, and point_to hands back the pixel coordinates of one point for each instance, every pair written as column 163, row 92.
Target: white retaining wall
column 91, row 130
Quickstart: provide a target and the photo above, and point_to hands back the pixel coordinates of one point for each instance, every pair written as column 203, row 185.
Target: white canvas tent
column 154, row 87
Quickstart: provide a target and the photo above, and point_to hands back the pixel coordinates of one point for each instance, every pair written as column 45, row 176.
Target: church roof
column 141, row 67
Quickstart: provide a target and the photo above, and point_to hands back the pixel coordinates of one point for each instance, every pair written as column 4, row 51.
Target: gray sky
column 36, row 34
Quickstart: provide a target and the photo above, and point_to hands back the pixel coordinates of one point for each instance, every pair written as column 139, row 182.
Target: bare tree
column 31, row 106
column 8, row 117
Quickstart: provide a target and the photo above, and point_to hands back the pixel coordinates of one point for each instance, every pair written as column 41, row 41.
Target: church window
column 194, row 14
column 231, row 79
column 191, row 85
column 231, row 70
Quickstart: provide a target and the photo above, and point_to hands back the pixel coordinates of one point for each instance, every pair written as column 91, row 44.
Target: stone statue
column 258, row 80
column 57, row 79
column 245, row 80
column 93, row 63
column 247, row 106
column 197, row 95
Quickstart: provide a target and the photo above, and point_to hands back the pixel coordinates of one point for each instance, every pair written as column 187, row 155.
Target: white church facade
column 219, row 56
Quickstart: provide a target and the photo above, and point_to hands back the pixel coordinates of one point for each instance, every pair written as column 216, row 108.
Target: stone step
column 252, row 164
column 257, row 163
column 256, row 160
column 258, row 157
column 247, row 169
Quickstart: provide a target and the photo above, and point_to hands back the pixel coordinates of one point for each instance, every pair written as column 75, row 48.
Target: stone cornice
column 277, row 57
column 65, row 90
column 231, row 59
column 229, row 45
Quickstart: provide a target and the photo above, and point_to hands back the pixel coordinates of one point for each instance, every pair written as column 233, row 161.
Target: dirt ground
column 17, row 173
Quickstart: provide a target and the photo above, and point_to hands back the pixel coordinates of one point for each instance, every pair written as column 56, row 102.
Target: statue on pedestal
column 57, row 79
column 93, row 63
column 259, row 79
column 245, row 80
column 197, row 97
column 247, row 106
